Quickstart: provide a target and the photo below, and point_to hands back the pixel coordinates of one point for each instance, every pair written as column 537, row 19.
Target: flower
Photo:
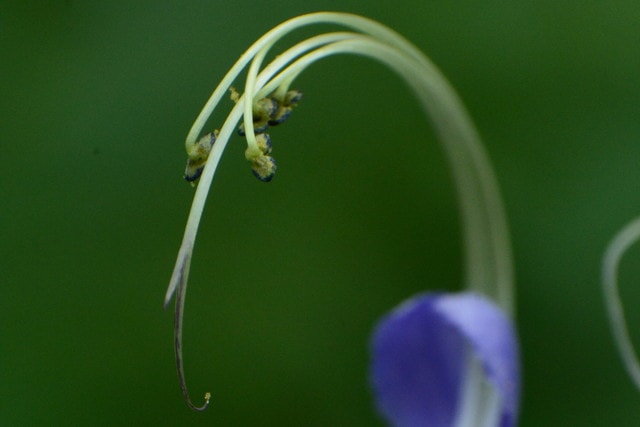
column 421, row 353
column 438, row 360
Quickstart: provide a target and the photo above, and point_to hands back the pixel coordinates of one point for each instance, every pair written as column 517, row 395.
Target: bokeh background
column 289, row 277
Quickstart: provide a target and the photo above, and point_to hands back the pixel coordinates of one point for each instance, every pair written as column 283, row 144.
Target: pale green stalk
column 626, row 237
column 487, row 251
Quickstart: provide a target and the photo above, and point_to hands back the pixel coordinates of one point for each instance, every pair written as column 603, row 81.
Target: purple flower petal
column 419, row 358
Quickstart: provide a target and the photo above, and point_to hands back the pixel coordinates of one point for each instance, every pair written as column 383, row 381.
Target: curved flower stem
column 483, row 219
column 488, row 258
column 487, row 251
column 486, row 222
column 626, row 237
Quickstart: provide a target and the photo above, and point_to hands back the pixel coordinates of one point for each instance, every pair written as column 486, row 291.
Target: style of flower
column 437, row 359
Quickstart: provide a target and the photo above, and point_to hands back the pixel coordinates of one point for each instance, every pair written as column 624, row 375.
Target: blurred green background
column 289, row 277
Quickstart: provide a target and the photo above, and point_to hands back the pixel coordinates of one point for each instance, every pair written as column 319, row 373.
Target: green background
column 289, row 277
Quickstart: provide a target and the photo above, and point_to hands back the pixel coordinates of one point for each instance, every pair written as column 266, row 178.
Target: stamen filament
column 487, row 252
column 490, row 271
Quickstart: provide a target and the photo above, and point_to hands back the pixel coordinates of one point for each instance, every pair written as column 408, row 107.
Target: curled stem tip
column 177, row 340
column 205, row 405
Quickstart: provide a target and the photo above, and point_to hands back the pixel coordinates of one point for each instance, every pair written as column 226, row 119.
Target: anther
column 191, row 174
column 263, row 110
column 290, row 100
column 198, row 153
column 263, row 126
column 266, row 107
column 264, row 168
column 264, row 143
column 281, row 116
